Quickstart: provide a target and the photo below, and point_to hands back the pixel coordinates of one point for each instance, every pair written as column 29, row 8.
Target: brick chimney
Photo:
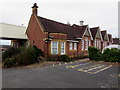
column 34, row 9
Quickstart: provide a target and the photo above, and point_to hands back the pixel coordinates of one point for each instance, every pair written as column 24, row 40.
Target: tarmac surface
column 83, row 74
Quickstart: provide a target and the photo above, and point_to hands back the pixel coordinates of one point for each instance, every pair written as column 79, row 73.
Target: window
column 82, row 44
column 54, row 47
column 89, row 43
column 62, row 47
column 95, row 43
column 75, row 46
column 99, row 44
column 86, row 44
column 70, row 46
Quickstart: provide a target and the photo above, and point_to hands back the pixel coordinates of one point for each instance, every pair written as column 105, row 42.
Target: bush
column 21, row 56
column 94, row 53
column 9, row 62
column 28, row 55
column 10, row 52
column 64, row 58
column 109, row 55
column 39, row 52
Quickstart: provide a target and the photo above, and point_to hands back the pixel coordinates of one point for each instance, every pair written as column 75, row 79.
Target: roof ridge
column 53, row 21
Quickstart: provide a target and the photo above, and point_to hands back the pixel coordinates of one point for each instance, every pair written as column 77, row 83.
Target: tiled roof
column 116, row 41
column 103, row 34
column 79, row 30
column 57, row 27
column 94, row 31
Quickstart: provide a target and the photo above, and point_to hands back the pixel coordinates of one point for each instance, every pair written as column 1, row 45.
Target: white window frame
column 71, row 46
column 95, row 43
column 82, row 44
column 75, row 46
column 62, row 47
column 89, row 43
column 53, row 47
column 86, row 44
column 99, row 44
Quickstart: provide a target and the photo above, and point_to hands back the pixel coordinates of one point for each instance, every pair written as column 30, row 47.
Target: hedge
column 109, row 55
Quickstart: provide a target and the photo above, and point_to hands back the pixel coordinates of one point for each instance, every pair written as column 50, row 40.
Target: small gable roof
column 103, row 33
column 72, row 32
column 94, row 31
column 79, row 30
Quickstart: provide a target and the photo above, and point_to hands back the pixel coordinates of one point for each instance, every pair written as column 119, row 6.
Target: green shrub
column 94, row 53
column 21, row 56
column 10, row 52
column 9, row 62
column 39, row 52
column 28, row 56
column 109, row 55
column 64, row 58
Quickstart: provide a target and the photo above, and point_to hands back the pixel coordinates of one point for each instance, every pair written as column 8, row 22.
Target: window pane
column 62, row 47
column 54, row 47
column 82, row 44
column 70, row 46
column 75, row 46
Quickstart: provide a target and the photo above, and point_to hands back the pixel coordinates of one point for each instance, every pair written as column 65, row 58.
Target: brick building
column 55, row 38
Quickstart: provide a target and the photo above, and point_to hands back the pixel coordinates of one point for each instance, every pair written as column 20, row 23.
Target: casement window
column 82, row 44
column 95, row 43
column 75, row 46
column 86, row 44
column 71, row 46
column 54, row 47
column 62, row 48
column 89, row 43
column 99, row 44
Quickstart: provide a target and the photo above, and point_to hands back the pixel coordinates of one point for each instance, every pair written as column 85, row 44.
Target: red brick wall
column 34, row 33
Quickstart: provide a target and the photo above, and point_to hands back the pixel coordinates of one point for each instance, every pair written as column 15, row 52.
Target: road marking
column 95, row 68
column 103, row 69
column 88, row 71
column 73, row 66
column 88, row 67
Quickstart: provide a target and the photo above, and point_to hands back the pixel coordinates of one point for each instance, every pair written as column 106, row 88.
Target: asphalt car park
column 82, row 74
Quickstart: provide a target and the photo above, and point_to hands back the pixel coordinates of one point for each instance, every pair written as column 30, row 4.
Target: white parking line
column 103, row 69
column 94, row 67
column 97, row 67
column 73, row 66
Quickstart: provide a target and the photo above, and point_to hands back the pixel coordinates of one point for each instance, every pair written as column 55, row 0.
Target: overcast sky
column 103, row 13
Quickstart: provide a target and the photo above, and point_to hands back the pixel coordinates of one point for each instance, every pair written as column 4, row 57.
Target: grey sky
column 103, row 13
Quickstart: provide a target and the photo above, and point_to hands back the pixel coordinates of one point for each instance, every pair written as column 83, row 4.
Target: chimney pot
column 34, row 9
column 81, row 23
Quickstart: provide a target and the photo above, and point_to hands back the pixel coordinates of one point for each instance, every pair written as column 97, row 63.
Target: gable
column 106, row 38
column 98, row 35
column 87, row 33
